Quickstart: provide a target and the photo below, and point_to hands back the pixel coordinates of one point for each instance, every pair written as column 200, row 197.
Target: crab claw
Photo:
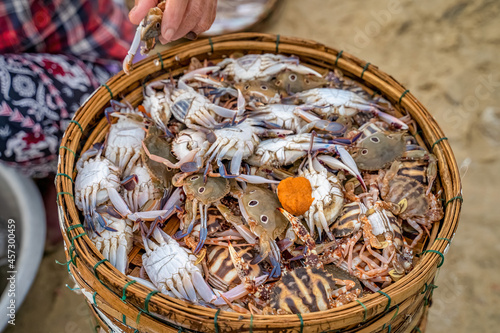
column 269, row 248
column 310, row 254
column 127, row 62
column 391, row 120
column 299, row 228
column 331, row 127
column 349, row 165
column 242, row 267
column 99, row 222
column 130, row 182
column 244, row 178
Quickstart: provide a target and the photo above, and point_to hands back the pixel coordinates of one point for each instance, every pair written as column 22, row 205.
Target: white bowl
column 20, row 201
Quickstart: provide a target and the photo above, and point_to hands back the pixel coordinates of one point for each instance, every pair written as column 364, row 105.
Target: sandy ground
column 446, row 52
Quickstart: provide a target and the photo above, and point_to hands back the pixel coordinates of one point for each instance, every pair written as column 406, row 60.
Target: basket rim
column 267, row 43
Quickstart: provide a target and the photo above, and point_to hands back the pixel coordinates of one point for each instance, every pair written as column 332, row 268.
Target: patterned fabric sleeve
column 39, row 93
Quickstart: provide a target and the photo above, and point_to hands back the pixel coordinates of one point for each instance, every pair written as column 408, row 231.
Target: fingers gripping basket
column 121, row 304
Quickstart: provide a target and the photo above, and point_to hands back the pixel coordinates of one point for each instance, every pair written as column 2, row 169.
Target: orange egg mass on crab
column 295, row 194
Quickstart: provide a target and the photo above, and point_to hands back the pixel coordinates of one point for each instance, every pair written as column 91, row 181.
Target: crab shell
column 214, row 189
column 259, row 206
column 158, row 146
column 348, row 222
column 303, row 290
column 222, row 273
column 172, row 269
column 379, row 150
column 95, row 177
column 294, row 82
column 259, row 91
column 401, row 188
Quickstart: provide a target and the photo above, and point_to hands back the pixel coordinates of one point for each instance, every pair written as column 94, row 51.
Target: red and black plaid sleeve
column 97, row 29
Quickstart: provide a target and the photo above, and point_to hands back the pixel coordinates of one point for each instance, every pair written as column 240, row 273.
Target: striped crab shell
column 349, row 222
column 222, row 273
column 305, row 290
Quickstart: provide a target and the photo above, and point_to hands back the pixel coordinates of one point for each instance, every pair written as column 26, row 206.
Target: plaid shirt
column 92, row 29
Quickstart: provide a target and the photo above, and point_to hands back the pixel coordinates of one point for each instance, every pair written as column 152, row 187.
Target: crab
column 238, row 142
column 98, row 181
column 260, row 67
column 338, row 102
column 172, row 270
column 296, row 119
column 380, row 230
column 189, row 140
column 123, row 143
column 294, row 292
column 417, row 163
column 409, row 200
column 191, row 108
column 200, row 195
column 284, row 151
column 148, row 31
column 259, row 92
column 259, row 208
column 349, row 220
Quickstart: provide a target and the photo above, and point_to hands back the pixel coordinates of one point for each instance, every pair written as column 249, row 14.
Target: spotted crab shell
column 379, row 150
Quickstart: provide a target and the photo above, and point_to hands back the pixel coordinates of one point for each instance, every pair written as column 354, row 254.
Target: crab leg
column 203, row 230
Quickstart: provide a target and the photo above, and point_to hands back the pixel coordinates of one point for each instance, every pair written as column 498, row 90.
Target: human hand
column 179, row 18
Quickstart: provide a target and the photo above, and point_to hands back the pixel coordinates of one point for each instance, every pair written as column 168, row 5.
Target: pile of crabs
column 295, row 192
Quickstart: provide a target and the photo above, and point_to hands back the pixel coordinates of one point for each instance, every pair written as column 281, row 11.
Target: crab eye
column 264, row 219
column 364, row 152
column 253, row 203
column 157, row 25
column 306, row 81
column 375, row 140
column 194, row 178
column 201, row 190
column 263, row 87
column 293, row 77
column 247, row 87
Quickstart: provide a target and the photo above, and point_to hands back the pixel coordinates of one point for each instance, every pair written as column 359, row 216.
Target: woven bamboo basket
column 121, row 304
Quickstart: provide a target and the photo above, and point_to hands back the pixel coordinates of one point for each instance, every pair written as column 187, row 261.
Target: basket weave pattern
column 131, row 307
